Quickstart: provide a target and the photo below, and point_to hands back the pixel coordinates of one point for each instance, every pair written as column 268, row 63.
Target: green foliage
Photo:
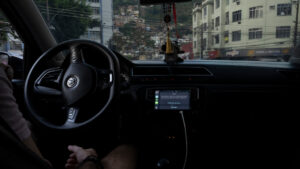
column 118, row 3
column 3, row 27
column 67, row 19
column 3, row 36
column 128, row 28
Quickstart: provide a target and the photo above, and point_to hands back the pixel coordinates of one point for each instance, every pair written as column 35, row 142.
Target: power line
column 44, row 12
column 65, row 12
column 70, row 9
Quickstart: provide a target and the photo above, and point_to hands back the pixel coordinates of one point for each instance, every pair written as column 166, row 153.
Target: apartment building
column 244, row 28
column 102, row 10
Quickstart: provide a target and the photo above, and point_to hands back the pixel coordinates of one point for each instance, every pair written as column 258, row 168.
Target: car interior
column 235, row 114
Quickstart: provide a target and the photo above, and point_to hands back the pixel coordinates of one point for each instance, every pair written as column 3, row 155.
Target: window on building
column 205, row 11
column 283, row 32
column 227, row 18
column 217, row 4
column 236, row 16
column 256, row 12
column 272, row 7
column 236, row 1
column 217, row 21
column 205, row 27
column 95, row 11
column 227, row 2
column 284, row 9
column 217, row 39
column 236, row 35
column 93, row 1
column 195, row 44
column 226, row 36
column 195, row 32
column 255, row 33
column 212, row 23
column 194, row 16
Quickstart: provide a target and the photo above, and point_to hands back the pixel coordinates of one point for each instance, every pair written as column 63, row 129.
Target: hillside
column 153, row 14
column 140, row 30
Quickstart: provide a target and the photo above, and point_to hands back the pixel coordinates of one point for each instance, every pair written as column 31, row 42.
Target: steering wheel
column 73, row 83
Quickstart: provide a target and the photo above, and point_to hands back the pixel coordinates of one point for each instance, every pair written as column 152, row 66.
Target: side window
column 11, row 47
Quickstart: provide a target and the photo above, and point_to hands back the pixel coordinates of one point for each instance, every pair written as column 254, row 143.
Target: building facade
column 244, row 28
column 102, row 10
column 107, row 21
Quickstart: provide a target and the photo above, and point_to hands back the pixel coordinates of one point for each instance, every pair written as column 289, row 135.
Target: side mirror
column 15, row 62
column 153, row 2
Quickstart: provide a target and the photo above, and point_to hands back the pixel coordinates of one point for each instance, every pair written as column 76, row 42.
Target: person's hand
column 78, row 155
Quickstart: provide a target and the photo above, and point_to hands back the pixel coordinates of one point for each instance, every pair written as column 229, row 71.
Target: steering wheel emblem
column 72, row 81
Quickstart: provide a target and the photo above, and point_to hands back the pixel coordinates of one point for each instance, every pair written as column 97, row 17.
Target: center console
column 167, row 143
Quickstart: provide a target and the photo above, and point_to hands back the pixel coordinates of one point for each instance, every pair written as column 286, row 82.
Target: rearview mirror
column 153, row 2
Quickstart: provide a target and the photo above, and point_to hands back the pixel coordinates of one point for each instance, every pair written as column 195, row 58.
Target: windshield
column 256, row 30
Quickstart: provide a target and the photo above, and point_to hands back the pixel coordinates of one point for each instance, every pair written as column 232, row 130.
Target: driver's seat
column 14, row 154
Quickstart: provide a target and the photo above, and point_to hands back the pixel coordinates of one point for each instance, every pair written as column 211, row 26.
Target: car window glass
column 11, row 47
column 203, row 30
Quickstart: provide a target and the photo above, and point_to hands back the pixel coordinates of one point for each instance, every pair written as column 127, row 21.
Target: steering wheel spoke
column 76, row 55
column 104, row 78
column 72, row 114
column 48, row 83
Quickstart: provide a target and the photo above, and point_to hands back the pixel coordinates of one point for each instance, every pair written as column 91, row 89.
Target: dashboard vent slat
column 170, row 71
column 148, row 71
column 190, row 71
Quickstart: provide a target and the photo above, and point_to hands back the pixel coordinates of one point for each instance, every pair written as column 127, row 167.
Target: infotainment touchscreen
column 172, row 99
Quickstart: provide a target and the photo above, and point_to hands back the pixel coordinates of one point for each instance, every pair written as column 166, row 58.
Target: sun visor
column 154, row 2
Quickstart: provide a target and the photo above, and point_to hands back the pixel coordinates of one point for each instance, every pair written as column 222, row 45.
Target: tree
column 128, row 28
column 67, row 19
column 118, row 3
column 3, row 28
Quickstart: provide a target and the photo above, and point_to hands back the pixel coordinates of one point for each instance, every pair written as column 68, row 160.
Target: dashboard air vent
column 170, row 71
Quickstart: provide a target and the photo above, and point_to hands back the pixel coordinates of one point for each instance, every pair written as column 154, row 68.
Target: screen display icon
column 172, row 100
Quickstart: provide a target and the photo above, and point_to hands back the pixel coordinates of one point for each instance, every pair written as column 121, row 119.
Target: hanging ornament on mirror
column 167, row 18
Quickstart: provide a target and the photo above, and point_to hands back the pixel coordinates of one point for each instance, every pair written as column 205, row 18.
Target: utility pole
column 101, row 21
column 296, row 24
column 201, row 41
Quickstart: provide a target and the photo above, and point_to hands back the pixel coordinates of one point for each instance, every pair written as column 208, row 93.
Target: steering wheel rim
column 76, row 66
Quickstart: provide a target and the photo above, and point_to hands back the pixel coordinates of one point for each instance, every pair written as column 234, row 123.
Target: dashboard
column 214, row 97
